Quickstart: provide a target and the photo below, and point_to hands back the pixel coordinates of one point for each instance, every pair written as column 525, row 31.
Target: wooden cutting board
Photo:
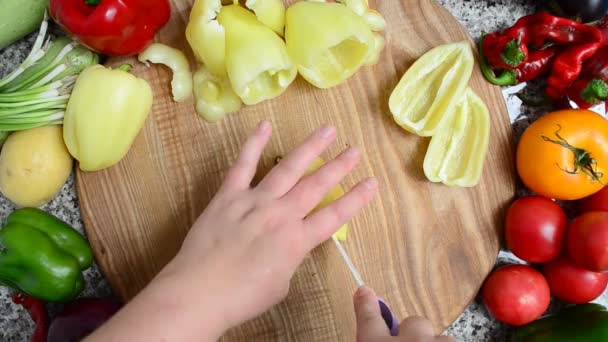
column 424, row 247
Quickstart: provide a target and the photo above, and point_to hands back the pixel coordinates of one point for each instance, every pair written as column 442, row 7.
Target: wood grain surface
column 423, row 247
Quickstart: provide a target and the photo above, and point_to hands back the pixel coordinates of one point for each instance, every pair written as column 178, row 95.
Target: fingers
column 416, row 329
column 323, row 223
column 290, row 169
column 311, row 189
column 243, row 170
column 370, row 325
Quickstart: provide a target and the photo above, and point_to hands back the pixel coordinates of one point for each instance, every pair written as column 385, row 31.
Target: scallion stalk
column 36, row 93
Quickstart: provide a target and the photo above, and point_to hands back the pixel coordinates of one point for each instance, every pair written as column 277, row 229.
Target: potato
column 34, row 165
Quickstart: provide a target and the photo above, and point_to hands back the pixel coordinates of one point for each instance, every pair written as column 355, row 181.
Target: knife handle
column 389, row 317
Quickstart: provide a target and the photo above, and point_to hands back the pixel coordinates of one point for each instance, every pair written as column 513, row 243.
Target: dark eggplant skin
column 80, row 318
column 586, row 10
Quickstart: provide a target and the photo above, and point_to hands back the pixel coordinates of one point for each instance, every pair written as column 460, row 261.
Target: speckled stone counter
column 473, row 325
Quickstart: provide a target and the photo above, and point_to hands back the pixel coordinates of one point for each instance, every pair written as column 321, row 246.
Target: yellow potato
column 34, row 165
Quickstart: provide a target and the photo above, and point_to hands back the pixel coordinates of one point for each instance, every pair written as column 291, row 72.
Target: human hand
column 372, row 328
column 246, row 245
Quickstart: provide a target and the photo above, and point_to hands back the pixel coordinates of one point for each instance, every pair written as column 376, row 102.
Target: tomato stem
column 583, row 161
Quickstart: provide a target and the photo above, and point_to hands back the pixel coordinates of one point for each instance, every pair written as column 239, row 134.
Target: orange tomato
column 564, row 154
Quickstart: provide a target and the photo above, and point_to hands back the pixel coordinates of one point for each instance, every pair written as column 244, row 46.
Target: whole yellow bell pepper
column 106, row 111
column 241, row 51
column 329, row 42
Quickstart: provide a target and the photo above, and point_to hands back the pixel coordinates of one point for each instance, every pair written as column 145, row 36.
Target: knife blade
column 387, row 315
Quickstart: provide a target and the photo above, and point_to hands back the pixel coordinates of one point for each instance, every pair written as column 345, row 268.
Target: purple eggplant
column 80, row 318
column 586, row 10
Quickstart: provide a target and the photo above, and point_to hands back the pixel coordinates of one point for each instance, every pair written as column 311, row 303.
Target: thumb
column 370, row 325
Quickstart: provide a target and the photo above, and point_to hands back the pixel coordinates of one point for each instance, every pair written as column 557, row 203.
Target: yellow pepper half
column 106, row 111
column 457, row 152
column 241, row 51
column 329, row 42
column 432, row 87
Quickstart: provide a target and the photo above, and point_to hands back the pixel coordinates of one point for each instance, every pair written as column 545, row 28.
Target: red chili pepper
column 112, row 27
column 509, row 48
column 592, row 87
column 567, row 67
column 538, row 63
column 37, row 311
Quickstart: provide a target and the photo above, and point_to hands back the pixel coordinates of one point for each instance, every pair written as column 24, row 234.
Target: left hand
column 249, row 241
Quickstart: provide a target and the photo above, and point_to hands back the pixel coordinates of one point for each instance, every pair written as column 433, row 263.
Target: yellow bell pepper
column 257, row 62
column 432, row 87
column 241, row 52
column 457, row 152
column 333, row 194
column 106, row 111
column 329, row 42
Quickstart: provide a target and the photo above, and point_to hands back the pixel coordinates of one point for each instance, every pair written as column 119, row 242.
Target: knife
column 387, row 315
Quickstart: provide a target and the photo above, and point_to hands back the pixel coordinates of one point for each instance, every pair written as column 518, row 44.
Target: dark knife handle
column 389, row 318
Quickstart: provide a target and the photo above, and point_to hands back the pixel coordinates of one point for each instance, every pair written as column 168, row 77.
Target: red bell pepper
column 112, row 27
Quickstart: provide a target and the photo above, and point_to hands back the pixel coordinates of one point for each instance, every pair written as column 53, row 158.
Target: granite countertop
column 473, row 325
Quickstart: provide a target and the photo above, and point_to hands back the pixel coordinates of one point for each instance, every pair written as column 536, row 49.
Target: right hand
column 372, row 328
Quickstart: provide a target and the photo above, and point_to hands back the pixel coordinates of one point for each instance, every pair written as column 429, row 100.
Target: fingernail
column 327, row 132
column 363, row 292
column 371, row 183
column 263, row 126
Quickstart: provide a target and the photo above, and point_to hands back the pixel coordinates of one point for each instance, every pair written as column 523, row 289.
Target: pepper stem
column 595, row 91
column 506, row 77
column 125, row 67
column 583, row 161
column 92, row 2
column 512, row 54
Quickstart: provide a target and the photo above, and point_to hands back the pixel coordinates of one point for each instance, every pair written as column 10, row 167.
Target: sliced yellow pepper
column 214, row 95
column 333, row 194
column 206, row 36
column 244, row 59
column 374, row 19
column 257, row 61
column 457, row 152
column 269, row 12
column 431, row 87
column 106, row 111
column 329, row 42
column 181, row 84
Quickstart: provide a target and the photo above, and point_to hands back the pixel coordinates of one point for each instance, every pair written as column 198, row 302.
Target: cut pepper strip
column 181, row 84
column 456, row 153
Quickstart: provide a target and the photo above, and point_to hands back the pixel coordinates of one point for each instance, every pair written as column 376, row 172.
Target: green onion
column 36, row 93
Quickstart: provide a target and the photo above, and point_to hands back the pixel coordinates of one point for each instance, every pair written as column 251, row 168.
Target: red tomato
column 595, row 202
column 516, row 294
column 572, row 283
column 588, row 241
column 535, row 229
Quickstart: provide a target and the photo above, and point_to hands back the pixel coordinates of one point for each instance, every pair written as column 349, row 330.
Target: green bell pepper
column 580, row 323
column 43, row 256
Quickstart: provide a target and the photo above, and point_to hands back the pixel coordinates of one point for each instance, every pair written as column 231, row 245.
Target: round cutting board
column 423, row 247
